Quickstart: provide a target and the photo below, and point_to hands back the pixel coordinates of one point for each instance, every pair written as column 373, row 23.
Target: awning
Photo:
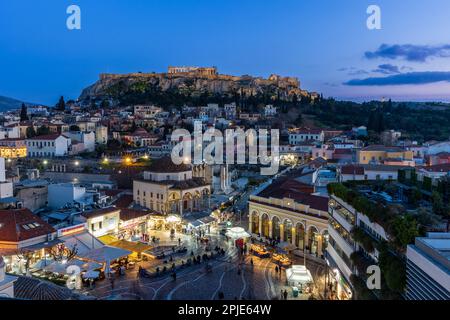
column 298, row 274
column 286, row 246
column 107, row 239
column 237, row 233
column 207, row 220
column 129, row 245
column 84, row 242
column 106, row 253
column 41, row 264
column 42, row 245
column 58, row 267
column 195, row 223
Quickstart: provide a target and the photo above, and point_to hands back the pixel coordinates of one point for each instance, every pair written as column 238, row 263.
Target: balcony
column 345, row 223
column 341, row 242
column 343, row 267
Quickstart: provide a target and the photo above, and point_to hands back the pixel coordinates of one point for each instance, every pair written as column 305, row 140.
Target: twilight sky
column 326, row 44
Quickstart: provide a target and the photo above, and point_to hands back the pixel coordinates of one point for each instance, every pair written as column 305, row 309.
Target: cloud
column 352, row 71
column 409, row 52
column 357, row 72
column 387, row 69
column 410, row 78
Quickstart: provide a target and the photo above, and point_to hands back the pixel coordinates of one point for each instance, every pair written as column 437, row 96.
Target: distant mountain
column 10, row 103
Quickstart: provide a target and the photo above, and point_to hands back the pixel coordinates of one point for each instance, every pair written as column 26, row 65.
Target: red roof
column 292, row 189
column 21, row 224
column 129, row 214
column 124, row 201
column 99, row 212
column 352, row 169
column 46, row 137
column 343, row 151
column 445, row 167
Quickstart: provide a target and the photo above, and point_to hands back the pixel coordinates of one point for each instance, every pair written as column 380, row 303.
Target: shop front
column 134, row 230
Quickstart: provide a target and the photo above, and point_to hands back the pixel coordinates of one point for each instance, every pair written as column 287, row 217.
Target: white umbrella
column 91, row 274
column 41, row 264
column 237, row 232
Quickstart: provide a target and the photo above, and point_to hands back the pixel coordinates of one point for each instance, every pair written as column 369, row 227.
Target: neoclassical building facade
column 283, row 212
column 168, row 188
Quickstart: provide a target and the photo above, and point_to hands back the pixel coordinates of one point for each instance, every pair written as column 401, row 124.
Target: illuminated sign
column 71, row 230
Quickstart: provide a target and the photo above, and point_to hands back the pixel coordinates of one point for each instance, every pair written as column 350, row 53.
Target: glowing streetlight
column 105, row 160
column 146, row 157
column 45, row 162
column 77, row 163
column 128, row 160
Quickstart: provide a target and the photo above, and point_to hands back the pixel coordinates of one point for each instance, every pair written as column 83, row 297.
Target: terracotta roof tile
column 21, row 224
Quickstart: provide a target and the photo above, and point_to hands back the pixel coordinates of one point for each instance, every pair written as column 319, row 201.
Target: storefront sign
column 72, row 229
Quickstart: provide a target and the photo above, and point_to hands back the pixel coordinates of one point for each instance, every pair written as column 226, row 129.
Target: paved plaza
column 232, row 276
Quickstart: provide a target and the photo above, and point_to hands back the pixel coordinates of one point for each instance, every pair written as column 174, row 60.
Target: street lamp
column 77, row 163
column 45, row 162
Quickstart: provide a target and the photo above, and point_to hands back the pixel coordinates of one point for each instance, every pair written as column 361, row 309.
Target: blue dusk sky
column 326, row 44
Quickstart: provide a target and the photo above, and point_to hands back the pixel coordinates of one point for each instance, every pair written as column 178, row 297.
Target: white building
column 62, row 194
column 428, row 268
column 301, row 135
column 101, row 135
column 343, row 219
column 230, row 111
column 6, row 282
column 146, row 111
column 53, row 145
column 9, row 132
column 86, row 138
column 362, row 172
column 6, row 187
column 37, row 111
column 270, row 110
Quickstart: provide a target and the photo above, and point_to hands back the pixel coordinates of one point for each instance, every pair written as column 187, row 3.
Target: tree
column 62, row 253
column 74, row 127
column 23, row 113
column 299, row 120
column 30, row 132
column 41, row 131
column 104, row 104
column 405, row 229
column 61, row 105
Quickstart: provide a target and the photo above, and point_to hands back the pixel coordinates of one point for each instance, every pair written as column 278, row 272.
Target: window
column 138, row 192
column 144, row 193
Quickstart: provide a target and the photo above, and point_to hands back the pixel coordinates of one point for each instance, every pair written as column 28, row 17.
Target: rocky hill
column 171, row 87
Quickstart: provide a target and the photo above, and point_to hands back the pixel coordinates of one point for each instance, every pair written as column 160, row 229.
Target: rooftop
column 21, row 224
column 292, row 189
column 165, row 164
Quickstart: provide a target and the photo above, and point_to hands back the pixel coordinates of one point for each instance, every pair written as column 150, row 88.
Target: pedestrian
column 179, row 241
column 112, row 283
column 251, row 262
column 276, row 269
column 282, row 294
column 285, row 294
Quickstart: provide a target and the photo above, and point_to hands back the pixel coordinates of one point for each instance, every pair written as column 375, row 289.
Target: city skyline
column 328, row 47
